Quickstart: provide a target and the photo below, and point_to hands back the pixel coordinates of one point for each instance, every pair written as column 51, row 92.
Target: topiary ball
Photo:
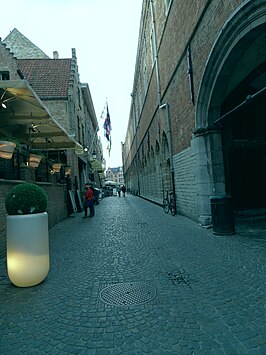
column 26, row 198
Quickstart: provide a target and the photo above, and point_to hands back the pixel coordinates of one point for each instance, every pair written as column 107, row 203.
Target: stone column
column 209, row 171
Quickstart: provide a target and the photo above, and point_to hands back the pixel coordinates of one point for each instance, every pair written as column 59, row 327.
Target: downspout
column 156, row 53
column 133, row 95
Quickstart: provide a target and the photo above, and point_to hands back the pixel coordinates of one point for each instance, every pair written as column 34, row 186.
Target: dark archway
column 226, row 135
column 244, row 141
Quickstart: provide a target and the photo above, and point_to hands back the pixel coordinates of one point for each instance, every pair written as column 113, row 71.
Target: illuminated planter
column 27, row 248
column 7, row 149
column 34, row 160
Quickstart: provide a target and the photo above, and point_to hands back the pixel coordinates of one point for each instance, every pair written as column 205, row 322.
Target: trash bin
column 222, row 215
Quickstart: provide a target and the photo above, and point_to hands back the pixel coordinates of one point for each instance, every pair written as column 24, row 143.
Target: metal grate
column 128, row 293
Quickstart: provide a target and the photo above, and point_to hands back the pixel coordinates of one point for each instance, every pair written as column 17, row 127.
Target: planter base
column 27, row 249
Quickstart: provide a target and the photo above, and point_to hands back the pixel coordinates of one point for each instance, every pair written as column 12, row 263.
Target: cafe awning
column 24, row 117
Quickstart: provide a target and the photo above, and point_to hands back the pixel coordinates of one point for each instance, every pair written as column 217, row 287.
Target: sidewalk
column 133, row 280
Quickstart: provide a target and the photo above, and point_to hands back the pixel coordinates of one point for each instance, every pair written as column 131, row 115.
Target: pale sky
column 105, row 36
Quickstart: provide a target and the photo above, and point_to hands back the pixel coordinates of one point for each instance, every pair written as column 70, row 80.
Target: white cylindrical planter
column 27, row 248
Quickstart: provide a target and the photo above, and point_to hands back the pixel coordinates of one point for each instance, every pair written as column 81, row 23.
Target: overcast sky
column 105, row 36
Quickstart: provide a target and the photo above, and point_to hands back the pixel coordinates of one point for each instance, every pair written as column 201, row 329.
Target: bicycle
column 169, row 202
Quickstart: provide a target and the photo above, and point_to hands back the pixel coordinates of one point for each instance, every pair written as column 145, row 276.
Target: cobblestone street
column 133, row 280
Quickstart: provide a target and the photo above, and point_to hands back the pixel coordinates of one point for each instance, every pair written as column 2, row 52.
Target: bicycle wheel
column 165, row 205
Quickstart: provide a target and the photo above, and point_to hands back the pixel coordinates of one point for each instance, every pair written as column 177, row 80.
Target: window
column 4, row 75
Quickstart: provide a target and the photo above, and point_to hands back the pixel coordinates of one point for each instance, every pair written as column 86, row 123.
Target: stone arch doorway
column 235, row 69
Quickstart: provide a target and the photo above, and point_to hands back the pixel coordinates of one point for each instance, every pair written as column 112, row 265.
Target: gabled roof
column 115, row 170
column 22, row 47
column 48, row 77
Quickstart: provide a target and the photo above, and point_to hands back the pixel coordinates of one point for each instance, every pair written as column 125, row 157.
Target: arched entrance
column 229, row 141
column 244, row 141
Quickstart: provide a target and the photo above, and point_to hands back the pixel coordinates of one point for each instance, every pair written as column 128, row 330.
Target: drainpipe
column 156, row 53
column 136, row 135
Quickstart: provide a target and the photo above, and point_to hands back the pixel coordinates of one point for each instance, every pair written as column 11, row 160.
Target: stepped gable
column 22, row 47
column 48, row 77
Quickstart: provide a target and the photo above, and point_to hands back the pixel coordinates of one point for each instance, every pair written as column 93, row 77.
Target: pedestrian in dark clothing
column 123, row 188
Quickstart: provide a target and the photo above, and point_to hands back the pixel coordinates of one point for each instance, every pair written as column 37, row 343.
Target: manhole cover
column 128, row 293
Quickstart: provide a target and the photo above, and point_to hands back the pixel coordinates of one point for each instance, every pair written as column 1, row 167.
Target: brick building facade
column 199, row 78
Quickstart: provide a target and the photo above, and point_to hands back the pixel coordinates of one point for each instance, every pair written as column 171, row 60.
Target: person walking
column 123, row 189
column 118, row 189
column 89, row 201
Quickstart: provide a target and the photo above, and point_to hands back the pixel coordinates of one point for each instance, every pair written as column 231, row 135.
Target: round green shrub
column 26, row 198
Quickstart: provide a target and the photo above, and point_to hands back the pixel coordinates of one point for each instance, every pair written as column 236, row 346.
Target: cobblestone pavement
column 133, row 280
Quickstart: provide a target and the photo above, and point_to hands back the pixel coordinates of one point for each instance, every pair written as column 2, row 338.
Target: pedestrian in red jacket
column 89, row 201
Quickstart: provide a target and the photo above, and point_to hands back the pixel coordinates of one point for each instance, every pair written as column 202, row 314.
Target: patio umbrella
column 109, row 182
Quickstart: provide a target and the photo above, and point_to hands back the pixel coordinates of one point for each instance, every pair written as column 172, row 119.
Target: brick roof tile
column 48, row 77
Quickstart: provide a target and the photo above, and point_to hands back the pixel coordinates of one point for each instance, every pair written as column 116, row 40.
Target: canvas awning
column 25, row 117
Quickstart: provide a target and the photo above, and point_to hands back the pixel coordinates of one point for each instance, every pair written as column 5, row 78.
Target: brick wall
column 185, row 188
column 188, row 23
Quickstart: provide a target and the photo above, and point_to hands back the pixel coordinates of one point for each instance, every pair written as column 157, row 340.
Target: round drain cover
column 127, row 293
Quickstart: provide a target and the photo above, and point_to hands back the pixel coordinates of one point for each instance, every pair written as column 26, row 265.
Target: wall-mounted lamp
column 86, row 149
